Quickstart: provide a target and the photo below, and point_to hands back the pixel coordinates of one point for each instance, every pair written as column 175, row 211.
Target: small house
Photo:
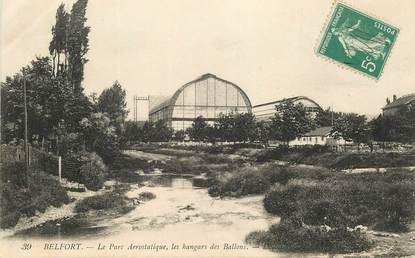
column 318, row 136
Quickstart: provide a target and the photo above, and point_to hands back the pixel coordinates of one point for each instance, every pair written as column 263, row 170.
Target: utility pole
column 136, row 99
column 26, row 144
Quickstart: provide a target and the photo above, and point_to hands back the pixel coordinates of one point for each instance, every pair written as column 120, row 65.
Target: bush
column 47, row 162
column 282, row 201
column 240, row 184
column 277, row 174
column 9, row 219
column 92, row 176
column 105, row 201
column 86, row 168
column 92, row 173
column 383, row 200
column 14, row 172
column 145, row 196
column 42, row 192
column 291, row 235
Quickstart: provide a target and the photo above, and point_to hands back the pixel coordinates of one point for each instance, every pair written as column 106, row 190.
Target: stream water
column 182, row 214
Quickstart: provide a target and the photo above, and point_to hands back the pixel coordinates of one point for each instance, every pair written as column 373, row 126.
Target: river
column 182, row 214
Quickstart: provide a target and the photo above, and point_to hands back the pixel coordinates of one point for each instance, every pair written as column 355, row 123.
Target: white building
column 318, row 136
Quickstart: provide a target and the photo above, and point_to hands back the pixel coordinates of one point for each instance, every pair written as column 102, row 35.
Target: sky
column 267, row 47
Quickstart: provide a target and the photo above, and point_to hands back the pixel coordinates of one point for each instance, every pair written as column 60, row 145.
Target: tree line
column 290, row 121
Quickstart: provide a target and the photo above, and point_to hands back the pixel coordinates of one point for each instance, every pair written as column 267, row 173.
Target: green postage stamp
column 357, row 40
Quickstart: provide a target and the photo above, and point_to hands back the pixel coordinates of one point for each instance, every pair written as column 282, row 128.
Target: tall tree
column 290, row 121
column 77, row 44
column 112, row 102
column 58, row 44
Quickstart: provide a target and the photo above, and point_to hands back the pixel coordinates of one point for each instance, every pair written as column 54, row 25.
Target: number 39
column 366, row 64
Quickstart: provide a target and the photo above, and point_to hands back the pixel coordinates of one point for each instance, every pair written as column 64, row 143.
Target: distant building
column 402, row 103
column 267, row 110
column 318, row 136
column 206, row 96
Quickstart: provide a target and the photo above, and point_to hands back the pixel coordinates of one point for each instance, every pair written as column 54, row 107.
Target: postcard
column 190, row 128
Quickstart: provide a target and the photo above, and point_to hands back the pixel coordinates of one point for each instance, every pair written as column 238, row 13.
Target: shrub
column 290, row 235
column 383, row 200
column 47, row 162
column 9, row 219
column 146, row 196
column 92, row 176
column 86, row 168
column 42, row 192
column 240, row 184
column 277, row 174
column 92, row 173
column 104, row 201
column 282, row 201
column 272, row 154
column 14, row 172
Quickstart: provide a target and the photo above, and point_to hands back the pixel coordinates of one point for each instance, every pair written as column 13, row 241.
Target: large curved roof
column 297, row 98
column 173, row 99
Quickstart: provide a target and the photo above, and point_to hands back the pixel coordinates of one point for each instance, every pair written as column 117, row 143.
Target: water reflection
column 80, row 226
column 176, row 181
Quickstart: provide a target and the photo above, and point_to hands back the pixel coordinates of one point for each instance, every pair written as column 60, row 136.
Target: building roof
column 172, row 99
column 320, row 131
column 288, row 99
column 404, row 100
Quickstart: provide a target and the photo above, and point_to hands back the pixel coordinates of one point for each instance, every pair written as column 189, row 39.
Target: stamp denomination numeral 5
column 368, row 65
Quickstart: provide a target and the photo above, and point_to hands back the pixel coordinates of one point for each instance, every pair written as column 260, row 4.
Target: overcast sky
column 265, row 47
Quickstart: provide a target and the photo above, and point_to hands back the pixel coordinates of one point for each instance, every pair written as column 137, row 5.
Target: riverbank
column 360, row 203
column 66, row 211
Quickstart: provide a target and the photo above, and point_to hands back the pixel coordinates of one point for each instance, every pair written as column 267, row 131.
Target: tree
column 399, row 127
column 290, row 121
column 244, row 127
column 352, row 127
column 58, row 43
column 198, row 131
column 262, row 132
column 326, row 117
column 77, row 44
column 161, row 132
column 100, row 136
column 179, row 135
column 112, row 102
column 225, row 125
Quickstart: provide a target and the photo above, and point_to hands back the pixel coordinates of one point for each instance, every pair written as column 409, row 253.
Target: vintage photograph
column 220, row 128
